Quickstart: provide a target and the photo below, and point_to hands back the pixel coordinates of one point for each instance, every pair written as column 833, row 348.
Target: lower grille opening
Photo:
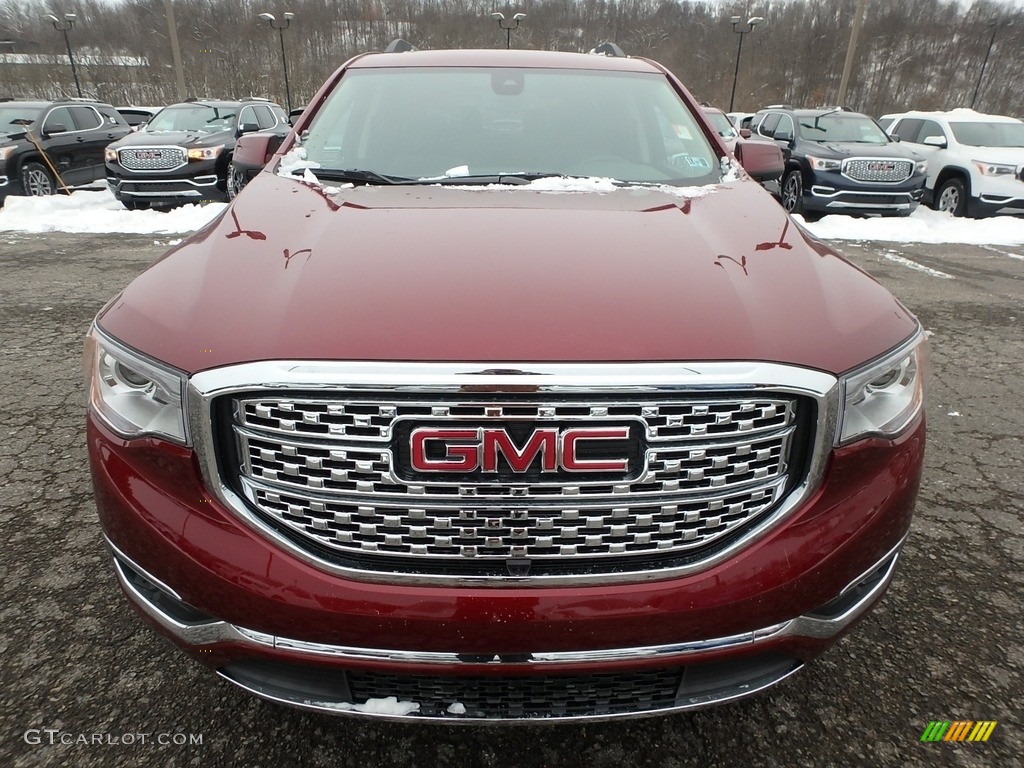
column 504, row 697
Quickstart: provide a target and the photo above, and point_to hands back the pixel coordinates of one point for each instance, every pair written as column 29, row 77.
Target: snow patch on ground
column 87, row 211
column 922, row 226
column 918, row 267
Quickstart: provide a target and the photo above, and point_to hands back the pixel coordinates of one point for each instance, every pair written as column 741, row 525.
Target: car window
column 111, row 116
column 86, row 118
column 785, row 124
column 930, row 129
column 982, row 134
column 721, row 124
column 884, row 122
column 265, row 117
column 908, row 129
column 842, row 127
column 767, row 126
column 203, row 118
column 14, row 119
column 59, row 119
column 424, row 122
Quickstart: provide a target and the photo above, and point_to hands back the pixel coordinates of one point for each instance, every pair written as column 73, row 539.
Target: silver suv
column 975, row 161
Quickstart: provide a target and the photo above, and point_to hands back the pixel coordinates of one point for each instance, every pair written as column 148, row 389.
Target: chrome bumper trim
column 212, row 632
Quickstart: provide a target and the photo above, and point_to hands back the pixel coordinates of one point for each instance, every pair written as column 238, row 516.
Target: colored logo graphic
column 958, row 730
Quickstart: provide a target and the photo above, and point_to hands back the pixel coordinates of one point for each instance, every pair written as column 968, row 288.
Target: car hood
column 505, row 274
column 1006, row 155
column 172, row 138
column 841, row 149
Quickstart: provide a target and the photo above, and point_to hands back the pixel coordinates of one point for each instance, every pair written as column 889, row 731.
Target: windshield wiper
column 512, row 177
column 356, row 176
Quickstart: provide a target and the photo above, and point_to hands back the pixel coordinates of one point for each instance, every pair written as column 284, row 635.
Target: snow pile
column 458, row 708
column 923, row 226
column 88, row 211
column 388, row 706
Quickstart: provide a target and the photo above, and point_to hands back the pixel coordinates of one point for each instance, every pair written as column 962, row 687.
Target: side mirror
column 294, row 115
column 784, row 136
column 894, row 137
column 255, row 149
column 761, row 159
column 935, row 141
column 248, row 127
column 744, row 133
column 52, row 128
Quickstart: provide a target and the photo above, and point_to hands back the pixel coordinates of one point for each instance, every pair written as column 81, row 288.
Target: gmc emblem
column 553, row 450
column 881, row 166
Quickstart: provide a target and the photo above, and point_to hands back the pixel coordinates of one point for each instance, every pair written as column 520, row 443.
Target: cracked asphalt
column 945, row 643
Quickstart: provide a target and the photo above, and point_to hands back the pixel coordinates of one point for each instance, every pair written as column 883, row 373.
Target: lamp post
column 63, row 25
column 752, row 22
column 281, row 26
column 995, row 24
column 514, row 24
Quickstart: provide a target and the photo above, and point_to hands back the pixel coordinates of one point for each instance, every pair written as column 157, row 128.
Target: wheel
column 236, row 180
column 793, row 192
column 952, row 197
column 37, row 180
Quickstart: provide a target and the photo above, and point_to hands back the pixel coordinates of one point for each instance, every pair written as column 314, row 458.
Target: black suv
column 183, row 155
column 841, row 162
column 49, row 145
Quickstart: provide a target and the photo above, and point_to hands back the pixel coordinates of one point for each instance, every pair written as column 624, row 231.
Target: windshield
column 989, row 134
column 193, row 117
column 14, row 119
column 839, row 127
column 721, row 124
column 423, row 123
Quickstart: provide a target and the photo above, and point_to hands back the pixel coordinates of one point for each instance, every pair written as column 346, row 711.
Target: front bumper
column 832, row 192
column 287, row 631
column 196, row 182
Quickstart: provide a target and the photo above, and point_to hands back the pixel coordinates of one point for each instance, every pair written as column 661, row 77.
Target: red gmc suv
column 503, row 393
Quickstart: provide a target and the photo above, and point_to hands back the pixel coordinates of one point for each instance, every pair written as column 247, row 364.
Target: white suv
column 975, row 161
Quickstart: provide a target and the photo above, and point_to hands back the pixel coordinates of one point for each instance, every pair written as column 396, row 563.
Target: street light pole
column 63, row 25
column 752, row 22
column 281, row 26
column 514, row 24
column 994, row 23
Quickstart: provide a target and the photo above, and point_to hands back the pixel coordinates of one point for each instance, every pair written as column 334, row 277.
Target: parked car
column 737, row 141
column 48, row 145
column 183, row 155
column 975, row 161
column 137, row 117
column 496, row 400
column 841, row 162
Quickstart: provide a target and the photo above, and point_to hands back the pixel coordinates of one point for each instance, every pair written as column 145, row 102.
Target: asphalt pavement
column 83, row 682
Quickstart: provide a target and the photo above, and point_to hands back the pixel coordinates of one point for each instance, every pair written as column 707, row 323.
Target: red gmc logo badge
column 479, row 449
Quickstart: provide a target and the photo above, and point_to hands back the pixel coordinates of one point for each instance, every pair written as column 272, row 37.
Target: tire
column 792, row 192
column 235, row 183
column 951, row 197
column 37, row 181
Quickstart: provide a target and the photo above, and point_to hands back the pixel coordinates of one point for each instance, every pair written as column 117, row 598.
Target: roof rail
column 255, row 98
column 398, row 45
column 609, row 48
column 779, row 106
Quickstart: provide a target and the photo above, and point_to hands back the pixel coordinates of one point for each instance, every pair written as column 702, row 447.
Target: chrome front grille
column 152, row 158
column 324, row 472
column 878, row 169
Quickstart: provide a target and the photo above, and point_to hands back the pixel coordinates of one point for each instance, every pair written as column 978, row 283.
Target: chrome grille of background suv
column 323, row 471
column 878, row 169
column 152, row 158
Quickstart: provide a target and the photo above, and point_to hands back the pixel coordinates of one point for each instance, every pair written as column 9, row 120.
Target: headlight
column 205, row 153
column 921, row 166
column 824, row 163
column 132, row 394
column 994, row 169
column 884, row 397
column 110, row 155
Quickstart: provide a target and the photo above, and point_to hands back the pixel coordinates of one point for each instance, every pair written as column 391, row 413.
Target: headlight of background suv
column 994, row 169
column 824, row 163
column 132, row 394
column 884, row 397
column 205, row 153
column 921, row 166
